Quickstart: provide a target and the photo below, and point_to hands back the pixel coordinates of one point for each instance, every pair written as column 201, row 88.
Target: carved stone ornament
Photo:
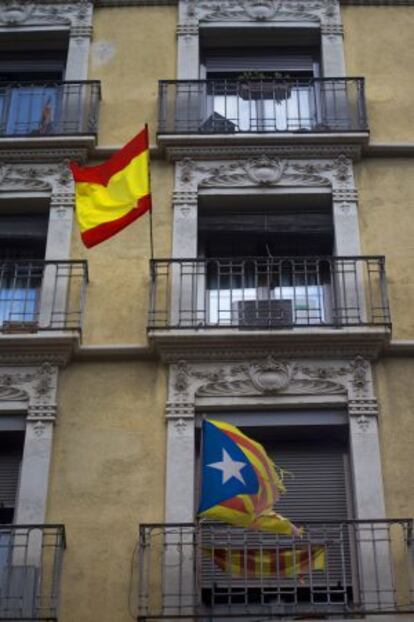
column 24, row 13
column 39, row 385
column 262, row 10
column 41, row 178
column 363, row 423
column 266, row 377
column 9, row 392
column 12, row 394
column 359, row 367
column 266, row 171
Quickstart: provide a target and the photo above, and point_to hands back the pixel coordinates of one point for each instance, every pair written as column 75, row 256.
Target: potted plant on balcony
column 256, row 85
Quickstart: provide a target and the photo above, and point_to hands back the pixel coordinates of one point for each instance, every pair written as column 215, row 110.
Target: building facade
column 282, row 144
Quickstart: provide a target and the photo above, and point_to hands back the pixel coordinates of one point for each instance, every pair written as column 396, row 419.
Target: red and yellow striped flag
column 112, row 195
column 234, row 500
column 259, row 563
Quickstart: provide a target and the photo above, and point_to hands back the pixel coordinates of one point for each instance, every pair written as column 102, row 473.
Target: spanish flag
column 112, row 195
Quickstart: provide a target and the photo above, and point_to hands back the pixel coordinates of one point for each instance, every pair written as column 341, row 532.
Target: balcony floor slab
column 231, row 344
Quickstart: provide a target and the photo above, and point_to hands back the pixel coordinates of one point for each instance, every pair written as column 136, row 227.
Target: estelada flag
column 112, row 195
column 240, row 485
column 279, row 562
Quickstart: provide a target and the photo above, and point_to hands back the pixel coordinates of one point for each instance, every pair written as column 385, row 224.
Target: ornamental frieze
column 266, row 171
column 261, row 10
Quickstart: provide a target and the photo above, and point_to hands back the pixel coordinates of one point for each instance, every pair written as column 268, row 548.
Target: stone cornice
column 120, row 3
column 57, row 348
column 231, row 345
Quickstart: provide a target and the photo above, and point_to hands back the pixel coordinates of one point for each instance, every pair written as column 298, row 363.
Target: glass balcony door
column 259, row 292
column 22, row 245
column 263, row 105
column 29, row 110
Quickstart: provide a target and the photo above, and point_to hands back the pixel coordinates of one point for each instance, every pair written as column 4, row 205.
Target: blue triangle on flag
column 226, row 471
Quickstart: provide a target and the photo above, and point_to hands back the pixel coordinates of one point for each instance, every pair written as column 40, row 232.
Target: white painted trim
column 33, row 388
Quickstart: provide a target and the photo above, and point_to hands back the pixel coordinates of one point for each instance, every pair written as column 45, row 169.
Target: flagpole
column 149, row 188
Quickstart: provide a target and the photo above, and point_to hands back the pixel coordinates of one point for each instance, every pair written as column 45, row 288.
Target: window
column 267, row 89
column 11, row 451
column 22, row 249
column 30, row 98
column 314, row 464
column 266, row 264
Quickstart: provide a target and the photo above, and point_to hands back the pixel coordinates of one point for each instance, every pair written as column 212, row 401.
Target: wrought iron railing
column 350, row 567
column 50, row 108
column 30, row 568
column 262, row 105
column 42, row 295
column 268, row 293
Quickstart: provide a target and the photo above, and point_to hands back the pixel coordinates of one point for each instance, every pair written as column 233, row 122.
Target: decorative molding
column 367, row 407
column 263, row 11
column 266, row 171
column 76, row 15
column 12, row 394
column 194, row 348
column 36, row 385
column 40, row 155
column 332, row 30
column 184, row 198
column 187, row 30
column 42, row 412
column 55, row 180
column 363, row 423
column 120, row 3
column 226, row 151
column 179, row 410
column 345, row 195
column 266, row 377
column 360, row 369
column 270, row 377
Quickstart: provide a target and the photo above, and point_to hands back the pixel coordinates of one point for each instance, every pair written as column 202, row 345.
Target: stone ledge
column 56, row 347
column 233, row 344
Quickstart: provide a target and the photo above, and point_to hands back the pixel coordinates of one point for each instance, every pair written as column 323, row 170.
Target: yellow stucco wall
column 132, row 49
column 107, row 463
column 378, row 46
column 396, row 397
column 386, row 190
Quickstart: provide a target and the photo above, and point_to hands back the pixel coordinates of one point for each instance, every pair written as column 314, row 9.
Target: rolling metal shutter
column 9, row 476
column 315, row 480
column 261, row 59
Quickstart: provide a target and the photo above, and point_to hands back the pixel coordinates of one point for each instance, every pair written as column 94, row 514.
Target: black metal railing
column 268, row 293
column 30, row 568
column 262, row 105
column 42, row 295
column 51, row 108
column 216, row 571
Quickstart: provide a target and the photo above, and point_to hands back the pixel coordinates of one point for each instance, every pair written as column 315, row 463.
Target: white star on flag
column 229, row 467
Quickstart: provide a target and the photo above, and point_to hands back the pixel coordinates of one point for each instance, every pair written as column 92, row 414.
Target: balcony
column 275, row 293
column 340, row 569
column 30, row 568
column 302, row 110
column 309, row 301
column 48, row 112
column 42, row 295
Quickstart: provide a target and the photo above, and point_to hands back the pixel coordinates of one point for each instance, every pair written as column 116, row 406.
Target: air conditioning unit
column 263, row 313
